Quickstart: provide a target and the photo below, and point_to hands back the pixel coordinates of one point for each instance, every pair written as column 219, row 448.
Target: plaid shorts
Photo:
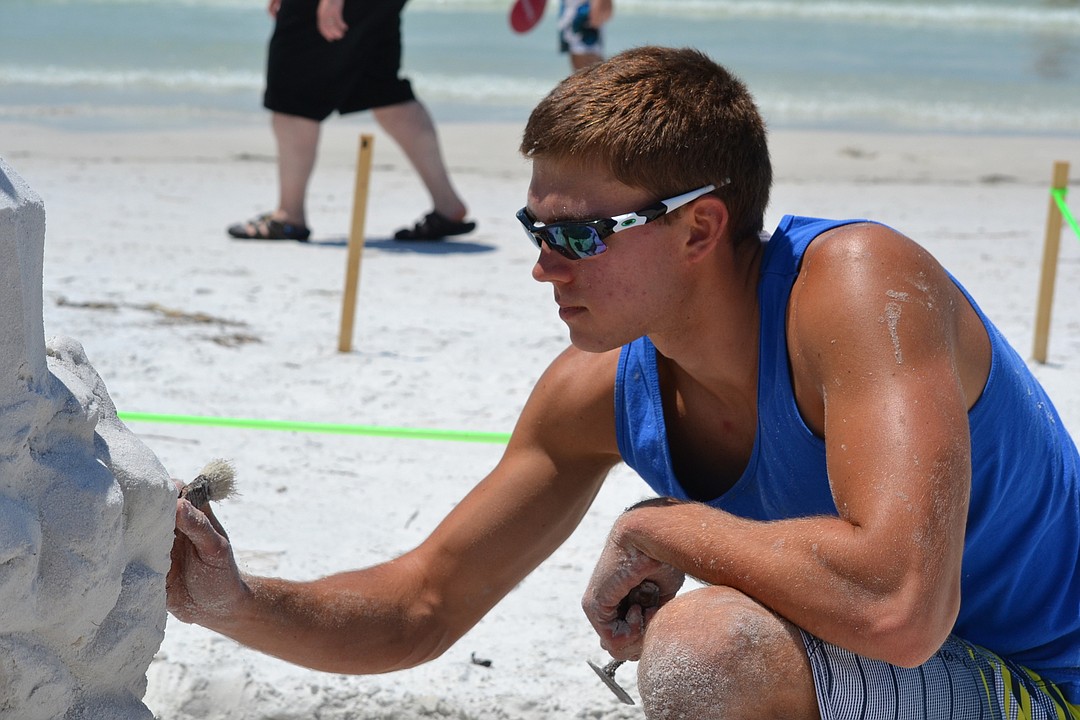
column 960, row 681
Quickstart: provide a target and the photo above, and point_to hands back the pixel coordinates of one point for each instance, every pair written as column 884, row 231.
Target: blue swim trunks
column 576, row 35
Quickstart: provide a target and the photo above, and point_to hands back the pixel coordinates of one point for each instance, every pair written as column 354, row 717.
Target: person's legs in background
column 411, row 127
column 297, row 141
column 297, row 145
column 309, row 78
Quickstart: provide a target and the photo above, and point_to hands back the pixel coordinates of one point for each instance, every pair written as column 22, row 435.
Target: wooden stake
column 1049, row 265
column 356, row 242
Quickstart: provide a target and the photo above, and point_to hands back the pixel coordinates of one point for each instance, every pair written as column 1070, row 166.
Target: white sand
column 448, row 336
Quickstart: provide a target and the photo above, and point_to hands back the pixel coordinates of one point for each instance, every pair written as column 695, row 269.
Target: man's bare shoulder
column 871, row 302
column 851, row 273
column 574, row 401
column 590, row 369
column 848, row 246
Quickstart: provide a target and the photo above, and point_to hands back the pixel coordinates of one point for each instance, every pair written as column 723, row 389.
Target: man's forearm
column 816, row 572
column 333, row 624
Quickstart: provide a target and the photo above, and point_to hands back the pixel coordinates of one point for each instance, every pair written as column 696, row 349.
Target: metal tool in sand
column 607, row 674
column 645, row 595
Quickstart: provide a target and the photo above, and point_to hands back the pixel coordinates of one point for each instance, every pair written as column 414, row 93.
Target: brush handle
column 197, row 492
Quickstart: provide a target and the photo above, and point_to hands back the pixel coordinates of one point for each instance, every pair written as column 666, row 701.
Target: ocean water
column 1000, row 66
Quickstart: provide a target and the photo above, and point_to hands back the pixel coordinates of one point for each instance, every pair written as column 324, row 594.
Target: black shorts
column 307, row 75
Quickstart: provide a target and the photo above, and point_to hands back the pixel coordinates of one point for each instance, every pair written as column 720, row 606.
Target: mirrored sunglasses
column 577, row 239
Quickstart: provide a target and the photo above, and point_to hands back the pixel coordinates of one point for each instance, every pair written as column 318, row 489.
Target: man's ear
column 708, row 221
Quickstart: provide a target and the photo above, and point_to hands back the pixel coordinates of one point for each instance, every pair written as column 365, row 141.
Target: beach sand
column 178, row 319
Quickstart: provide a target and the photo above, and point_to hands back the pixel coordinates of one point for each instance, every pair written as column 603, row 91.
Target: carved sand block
column 86, row 510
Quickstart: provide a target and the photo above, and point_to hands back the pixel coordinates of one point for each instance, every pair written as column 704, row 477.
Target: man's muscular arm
column 411, row 609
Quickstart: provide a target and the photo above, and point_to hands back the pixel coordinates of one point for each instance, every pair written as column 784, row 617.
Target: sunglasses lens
column 573, row 240
column 576, row 240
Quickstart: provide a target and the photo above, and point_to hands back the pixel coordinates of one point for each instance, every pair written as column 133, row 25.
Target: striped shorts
column 960, row 682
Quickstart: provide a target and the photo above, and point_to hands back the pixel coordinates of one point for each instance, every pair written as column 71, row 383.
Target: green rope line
column 1059, row 197
column 318, row 427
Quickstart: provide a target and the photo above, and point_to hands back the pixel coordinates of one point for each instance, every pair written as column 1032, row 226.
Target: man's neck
column 716, row 339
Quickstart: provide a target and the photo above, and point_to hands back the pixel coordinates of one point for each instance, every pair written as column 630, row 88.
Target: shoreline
column 798, row 153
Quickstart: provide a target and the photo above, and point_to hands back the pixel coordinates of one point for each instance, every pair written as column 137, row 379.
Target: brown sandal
column 265, row 227
column 434, row 226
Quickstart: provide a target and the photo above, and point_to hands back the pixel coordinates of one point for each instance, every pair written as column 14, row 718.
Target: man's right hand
column 330, row 18
column 204, row 582
column 626, row 590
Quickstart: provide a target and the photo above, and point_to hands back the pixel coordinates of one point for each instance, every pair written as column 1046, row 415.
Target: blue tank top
column 1021, row 580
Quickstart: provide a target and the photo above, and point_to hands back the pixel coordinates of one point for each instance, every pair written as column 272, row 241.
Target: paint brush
column 216, row 481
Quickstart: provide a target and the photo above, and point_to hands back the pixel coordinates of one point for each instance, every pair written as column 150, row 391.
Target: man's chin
column 592, row 344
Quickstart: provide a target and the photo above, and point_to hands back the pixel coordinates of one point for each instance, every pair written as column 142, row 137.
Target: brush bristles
column 216, row 482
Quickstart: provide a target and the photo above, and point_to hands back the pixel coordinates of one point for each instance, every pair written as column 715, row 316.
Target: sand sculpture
column 86, row 510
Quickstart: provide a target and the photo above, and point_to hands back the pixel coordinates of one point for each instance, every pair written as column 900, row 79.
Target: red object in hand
column 524, row 14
